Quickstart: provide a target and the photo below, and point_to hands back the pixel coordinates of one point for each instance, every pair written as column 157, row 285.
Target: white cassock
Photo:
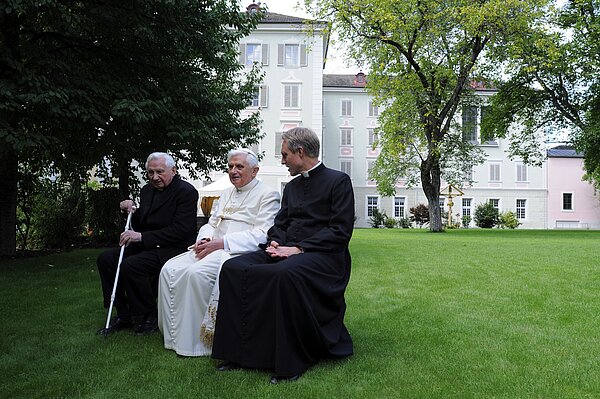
column 187, row 285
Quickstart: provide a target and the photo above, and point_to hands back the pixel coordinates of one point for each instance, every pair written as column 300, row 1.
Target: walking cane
column 114, row 290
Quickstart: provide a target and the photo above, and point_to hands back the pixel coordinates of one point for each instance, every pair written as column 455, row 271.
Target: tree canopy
column 87, row 84
column 422, row 56
column 554, row 80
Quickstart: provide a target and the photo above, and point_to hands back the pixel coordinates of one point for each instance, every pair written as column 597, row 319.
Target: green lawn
column 461, row 314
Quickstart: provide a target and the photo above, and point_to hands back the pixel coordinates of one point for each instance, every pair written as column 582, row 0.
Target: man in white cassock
column 188, row 296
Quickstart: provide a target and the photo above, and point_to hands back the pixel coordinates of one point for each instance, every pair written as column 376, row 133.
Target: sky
column 335, row 61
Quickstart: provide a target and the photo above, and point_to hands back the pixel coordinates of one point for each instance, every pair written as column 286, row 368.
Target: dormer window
column 360, row 79
column 254, row 7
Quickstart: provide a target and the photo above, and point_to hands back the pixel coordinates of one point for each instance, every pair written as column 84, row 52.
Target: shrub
column 466, row 220
column 420, row 214
column 389, row 222
column 103, row 216
column 508, row 220
column 404, row 223
column 486, row 216
column 60, row 214
column 377, row 218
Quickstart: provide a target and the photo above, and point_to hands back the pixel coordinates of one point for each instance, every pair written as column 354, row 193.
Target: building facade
column 295, row 92
column 572, row 202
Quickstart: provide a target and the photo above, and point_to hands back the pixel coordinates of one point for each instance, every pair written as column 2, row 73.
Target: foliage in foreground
column 99, row 83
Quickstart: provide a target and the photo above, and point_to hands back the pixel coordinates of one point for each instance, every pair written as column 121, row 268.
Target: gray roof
column 273, row 18
column 564, row 151
column 330, row 80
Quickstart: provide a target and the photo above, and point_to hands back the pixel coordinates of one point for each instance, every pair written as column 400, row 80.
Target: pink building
column 572, row 202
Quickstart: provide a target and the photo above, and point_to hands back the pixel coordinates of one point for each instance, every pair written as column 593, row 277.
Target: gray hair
column 251, row 158
column 169, row 161
column 302, row 137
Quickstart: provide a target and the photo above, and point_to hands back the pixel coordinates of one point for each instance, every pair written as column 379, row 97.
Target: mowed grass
column 461, row 314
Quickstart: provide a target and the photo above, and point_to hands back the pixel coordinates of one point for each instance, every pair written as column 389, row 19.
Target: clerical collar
column 247, row 187
column 307, row 173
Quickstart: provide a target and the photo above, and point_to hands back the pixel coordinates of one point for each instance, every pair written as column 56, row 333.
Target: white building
column 295, row 92
column 291, row 94
column 349, row 133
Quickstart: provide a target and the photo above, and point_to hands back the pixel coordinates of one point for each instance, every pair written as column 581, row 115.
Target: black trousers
column 137, row 287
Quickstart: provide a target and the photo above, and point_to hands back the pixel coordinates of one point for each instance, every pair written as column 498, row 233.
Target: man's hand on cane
column 129, row 236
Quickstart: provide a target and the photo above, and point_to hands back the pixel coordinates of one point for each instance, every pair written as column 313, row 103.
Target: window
column 466, row 207
column 254, row 52
column 472, row 117
column 259, row 97
column 494, row 172
column 291, row 96
column 373, row 109
column 469, row 124
column 373, row 137
column 490, row 140
column 442, row 201
column 292, row 55
column 399, row 207
column 372, row 203
column 567, row 201
column 495, row 203
column 469, row 176
column 346, row 107
column 521, row 172
column 521, row 208
column 346, row 136
column 370, row 164
column 346, row 166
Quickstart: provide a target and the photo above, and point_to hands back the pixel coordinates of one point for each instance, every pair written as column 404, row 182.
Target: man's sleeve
column 182, row 228
column 248, row 240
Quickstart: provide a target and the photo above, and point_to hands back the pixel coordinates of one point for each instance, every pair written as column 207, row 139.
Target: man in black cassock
column 282, row 308
column 163, row 226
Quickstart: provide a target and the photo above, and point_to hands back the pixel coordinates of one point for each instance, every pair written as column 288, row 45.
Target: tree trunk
column 8, row 202
column 430, row 180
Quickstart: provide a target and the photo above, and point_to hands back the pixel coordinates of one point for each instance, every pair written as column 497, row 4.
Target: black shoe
column 228, row 366
column 116, row 324
column 276, row 379
column 147, row 327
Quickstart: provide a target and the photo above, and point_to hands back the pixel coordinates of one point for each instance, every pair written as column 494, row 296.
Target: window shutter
column 303, row 55
column 286, row 95
column 243, row 53
column 265, row 54
column 280, row 54
column 278, row 143
column 264, row 96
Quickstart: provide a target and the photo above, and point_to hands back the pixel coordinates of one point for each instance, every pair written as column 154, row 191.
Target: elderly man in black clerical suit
column 163, row 226
column 282, row 308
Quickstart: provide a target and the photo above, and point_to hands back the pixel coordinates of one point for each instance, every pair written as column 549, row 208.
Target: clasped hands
column 281, row 252
column 205, row 246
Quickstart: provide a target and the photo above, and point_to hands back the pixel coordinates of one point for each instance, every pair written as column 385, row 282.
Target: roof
column 564, row 151
column 273, row 18
column 358, row 80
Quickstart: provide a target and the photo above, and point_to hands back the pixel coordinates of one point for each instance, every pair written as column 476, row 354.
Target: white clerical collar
column 248, row 186
column 307, row 173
